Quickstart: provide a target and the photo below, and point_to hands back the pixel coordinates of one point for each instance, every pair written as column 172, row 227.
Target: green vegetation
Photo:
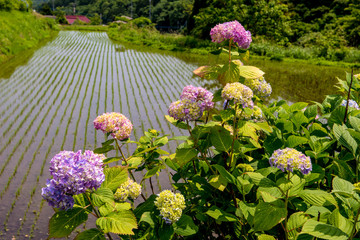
column 93, row 28
column 149, row 36
column 20, row 31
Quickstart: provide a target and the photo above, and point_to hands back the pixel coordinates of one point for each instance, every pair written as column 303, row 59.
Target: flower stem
column 234, row 137
column 354, row 226
column 286, row 205
column 230, row 41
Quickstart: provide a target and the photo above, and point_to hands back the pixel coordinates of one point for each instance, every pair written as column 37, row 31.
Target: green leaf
column 220, row 215
column 225, row 174
column 221, row 138
column 260, row 179
column 161, row 141
column 296, row 221
column 102, row 196
column 267, row 216
column 107, row 208
column 299, row 119
column 135, row 161
column 176, row 123
column 146, row 217
column 265, row 237
column 91, row 234
column 318, row 197
column 311, row 111
column 108, row 142
column 63, row 223
column 185, row 226
column 355, row 123
column 112, row 159
column 344, row 138
column 299, row 106
column 218, row 182
column 337, row 116
column 184, row 155
column 339, row 221
column 114, row 177
column 122, row 222
column 294, row 141
column 284, row 184
column 250, row 72
column 297, row 185
column 151, row 172
column 342, row 185
column 322, row 230
column 104, row 149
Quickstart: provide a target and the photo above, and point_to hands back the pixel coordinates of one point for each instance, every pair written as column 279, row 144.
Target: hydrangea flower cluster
column 231, row 30
column 239, row 93
column 115, row 123
column 193, row 102
column 73, row 173
column 128, row 189
column 290, row 159
column 200, row 95
column 170, row 205
column 259, row 86
column 352, row 104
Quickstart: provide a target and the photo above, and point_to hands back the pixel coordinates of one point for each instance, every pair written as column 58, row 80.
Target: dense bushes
column 21, row 5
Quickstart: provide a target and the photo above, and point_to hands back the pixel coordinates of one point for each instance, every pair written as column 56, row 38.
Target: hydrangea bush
column 245, row 170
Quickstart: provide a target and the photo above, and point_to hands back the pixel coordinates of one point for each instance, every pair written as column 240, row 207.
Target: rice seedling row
column 32, row 93
column 19, row 127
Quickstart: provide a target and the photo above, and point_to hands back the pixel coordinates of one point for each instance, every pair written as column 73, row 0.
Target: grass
column 21, row 31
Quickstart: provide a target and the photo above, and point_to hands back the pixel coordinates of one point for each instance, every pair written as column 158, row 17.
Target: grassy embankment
column 96, row 28
column 345, row 57
column 22, row 31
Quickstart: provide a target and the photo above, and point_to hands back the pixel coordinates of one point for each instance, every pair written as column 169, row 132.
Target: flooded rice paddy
column 49, row 104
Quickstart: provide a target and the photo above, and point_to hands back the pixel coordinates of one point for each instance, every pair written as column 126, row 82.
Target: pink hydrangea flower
column 231, row 30
column 115, row 123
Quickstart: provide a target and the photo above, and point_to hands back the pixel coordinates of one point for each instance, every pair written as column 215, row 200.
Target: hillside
column 20, row 31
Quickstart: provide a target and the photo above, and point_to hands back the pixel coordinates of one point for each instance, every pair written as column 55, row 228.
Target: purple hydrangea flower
column 73, row 173
column 199, row 95
column 352, row 104
column 185, row 110
column 259, row 86
column 231, row 30
column 115, row 123
column 291, row 159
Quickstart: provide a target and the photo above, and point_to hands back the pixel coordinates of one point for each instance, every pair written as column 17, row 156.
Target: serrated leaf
column 104, row 149
column 151, row 172
column 344, row 138
column 339, row 221
column 220, row 215
column 63, row 223
column 122, row 222
column 337, row 116
column 311, row 111
column 342, row 185
column 114, row 177
column 218, row 182
column 91, row 234
column 322, row 230
column 146, row 206
column 112, row 159
column 102, row 196
column 318, row 197
column 135, row 161
column 267, row 216
column 250, row 72
column 355, row 123
column 184, row 155
column 294, row 141
column 221, row 138
column 260, row 179
column 295, row 222
column 299, row 106
column 185, row 226
column 161, row 141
